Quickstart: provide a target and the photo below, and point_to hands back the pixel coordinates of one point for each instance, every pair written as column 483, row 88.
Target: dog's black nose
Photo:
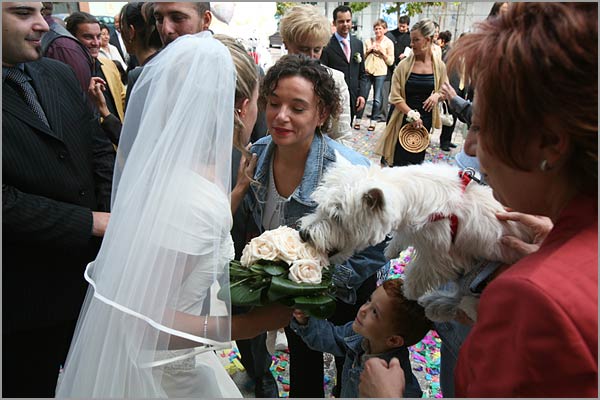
column 304, row 235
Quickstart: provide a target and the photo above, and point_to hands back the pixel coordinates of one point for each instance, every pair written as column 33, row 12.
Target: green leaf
column 245, row 296
column 286, row 287
column 223, row 293
column 282, row 6
column 273, row 296
column 411, row 8
column 258, row 269
column 316, row 306
column 236, row 271
column 357, row 7
column 275, row 270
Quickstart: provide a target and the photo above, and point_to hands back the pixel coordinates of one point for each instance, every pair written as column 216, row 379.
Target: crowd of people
column 133, row 172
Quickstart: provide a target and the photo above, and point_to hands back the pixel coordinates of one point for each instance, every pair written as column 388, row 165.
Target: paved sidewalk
column 364, row 142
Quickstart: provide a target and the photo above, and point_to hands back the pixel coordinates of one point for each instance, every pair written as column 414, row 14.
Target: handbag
column 447, row 118
column 370, row 64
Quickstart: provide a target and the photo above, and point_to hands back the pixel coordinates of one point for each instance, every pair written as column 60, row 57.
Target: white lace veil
column 167, row 245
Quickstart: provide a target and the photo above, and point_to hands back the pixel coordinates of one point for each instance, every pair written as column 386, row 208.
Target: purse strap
column 444, row 107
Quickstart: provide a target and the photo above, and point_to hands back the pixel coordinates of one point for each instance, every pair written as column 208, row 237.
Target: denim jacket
column 322, row 154
column 322, row 335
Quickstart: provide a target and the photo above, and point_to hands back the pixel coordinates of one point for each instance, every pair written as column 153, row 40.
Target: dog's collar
column 466, row 176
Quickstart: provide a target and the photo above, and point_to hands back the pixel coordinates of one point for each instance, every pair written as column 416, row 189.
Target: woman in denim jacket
column 300, row 97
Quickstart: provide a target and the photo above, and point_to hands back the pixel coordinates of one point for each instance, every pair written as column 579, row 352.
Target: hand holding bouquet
column 278, row 267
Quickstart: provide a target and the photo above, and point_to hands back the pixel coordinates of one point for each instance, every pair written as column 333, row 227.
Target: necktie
column 346, row 49
column 21, row 83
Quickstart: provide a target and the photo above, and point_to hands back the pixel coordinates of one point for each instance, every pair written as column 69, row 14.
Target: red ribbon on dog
column 466, row 176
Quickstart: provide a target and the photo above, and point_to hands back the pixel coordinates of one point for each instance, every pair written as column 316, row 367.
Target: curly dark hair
column 409, row 318
column 310, row 69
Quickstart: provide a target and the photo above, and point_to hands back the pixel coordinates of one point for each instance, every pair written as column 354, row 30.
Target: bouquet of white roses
column 278, row 267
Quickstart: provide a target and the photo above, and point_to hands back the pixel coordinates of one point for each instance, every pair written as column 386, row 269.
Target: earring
column 544, row 167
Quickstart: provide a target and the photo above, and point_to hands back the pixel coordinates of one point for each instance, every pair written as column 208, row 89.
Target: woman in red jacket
column 535, row 74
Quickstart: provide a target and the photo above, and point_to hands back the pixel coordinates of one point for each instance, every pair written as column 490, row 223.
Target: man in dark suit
column 57, row 171
column 345, row 53
column 117, row 40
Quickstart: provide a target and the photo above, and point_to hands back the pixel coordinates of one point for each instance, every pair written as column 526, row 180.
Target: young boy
column 384, row 327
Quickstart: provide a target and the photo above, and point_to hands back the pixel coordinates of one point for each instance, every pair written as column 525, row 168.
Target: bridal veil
column 151, row 302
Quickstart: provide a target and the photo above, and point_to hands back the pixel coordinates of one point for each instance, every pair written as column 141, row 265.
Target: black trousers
column 31, row 360
column 447, row 131
column 306, row 365
column 257, row 361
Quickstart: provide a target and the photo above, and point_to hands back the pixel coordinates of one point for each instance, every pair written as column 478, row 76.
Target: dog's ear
column 374, row 199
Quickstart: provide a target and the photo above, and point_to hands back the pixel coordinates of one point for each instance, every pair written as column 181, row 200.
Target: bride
column 151, row 318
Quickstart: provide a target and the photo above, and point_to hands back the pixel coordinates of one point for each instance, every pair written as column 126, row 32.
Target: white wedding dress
column 151, row 321
column 202, row 375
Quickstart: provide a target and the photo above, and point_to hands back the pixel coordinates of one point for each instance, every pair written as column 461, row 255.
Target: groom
column 345, row 53
column 57, row 173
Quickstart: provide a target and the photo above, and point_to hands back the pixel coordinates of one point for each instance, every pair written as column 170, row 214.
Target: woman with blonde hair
column 305, row 30
column 416, row 86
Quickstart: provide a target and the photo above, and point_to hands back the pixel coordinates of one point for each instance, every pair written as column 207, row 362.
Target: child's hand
column 300, row 317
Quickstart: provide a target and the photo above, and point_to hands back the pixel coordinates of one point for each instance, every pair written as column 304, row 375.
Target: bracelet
column 205, row 326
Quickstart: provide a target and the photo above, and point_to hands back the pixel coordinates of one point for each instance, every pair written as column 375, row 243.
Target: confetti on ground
column 425, row 358
column 280, row 372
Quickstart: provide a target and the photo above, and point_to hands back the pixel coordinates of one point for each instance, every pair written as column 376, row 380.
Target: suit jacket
column 53, row 178
column 114, row 40
column 333, row 56
column 130, row 59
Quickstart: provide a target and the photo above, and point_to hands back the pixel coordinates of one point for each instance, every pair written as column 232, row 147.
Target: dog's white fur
column 358, row 206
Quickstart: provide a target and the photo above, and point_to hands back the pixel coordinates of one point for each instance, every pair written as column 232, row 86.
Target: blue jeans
column 453, row 334
column 377, row 83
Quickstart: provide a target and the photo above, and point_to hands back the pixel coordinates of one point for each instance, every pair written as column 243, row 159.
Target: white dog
column 450, row 223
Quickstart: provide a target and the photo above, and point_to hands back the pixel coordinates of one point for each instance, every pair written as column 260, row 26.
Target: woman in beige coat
column 416, row 85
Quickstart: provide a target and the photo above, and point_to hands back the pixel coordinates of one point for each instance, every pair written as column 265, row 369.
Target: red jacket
column 537, row 330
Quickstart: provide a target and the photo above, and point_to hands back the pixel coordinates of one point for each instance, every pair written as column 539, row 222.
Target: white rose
column 288, row 243
column 308, row 252
column 305, row 271
column 259, row 248
column 247, row 258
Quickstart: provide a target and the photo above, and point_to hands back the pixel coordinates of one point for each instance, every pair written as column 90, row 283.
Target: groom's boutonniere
column 357, row 58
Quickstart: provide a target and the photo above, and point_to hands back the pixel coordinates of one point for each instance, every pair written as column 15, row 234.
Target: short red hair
column 535, row 74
